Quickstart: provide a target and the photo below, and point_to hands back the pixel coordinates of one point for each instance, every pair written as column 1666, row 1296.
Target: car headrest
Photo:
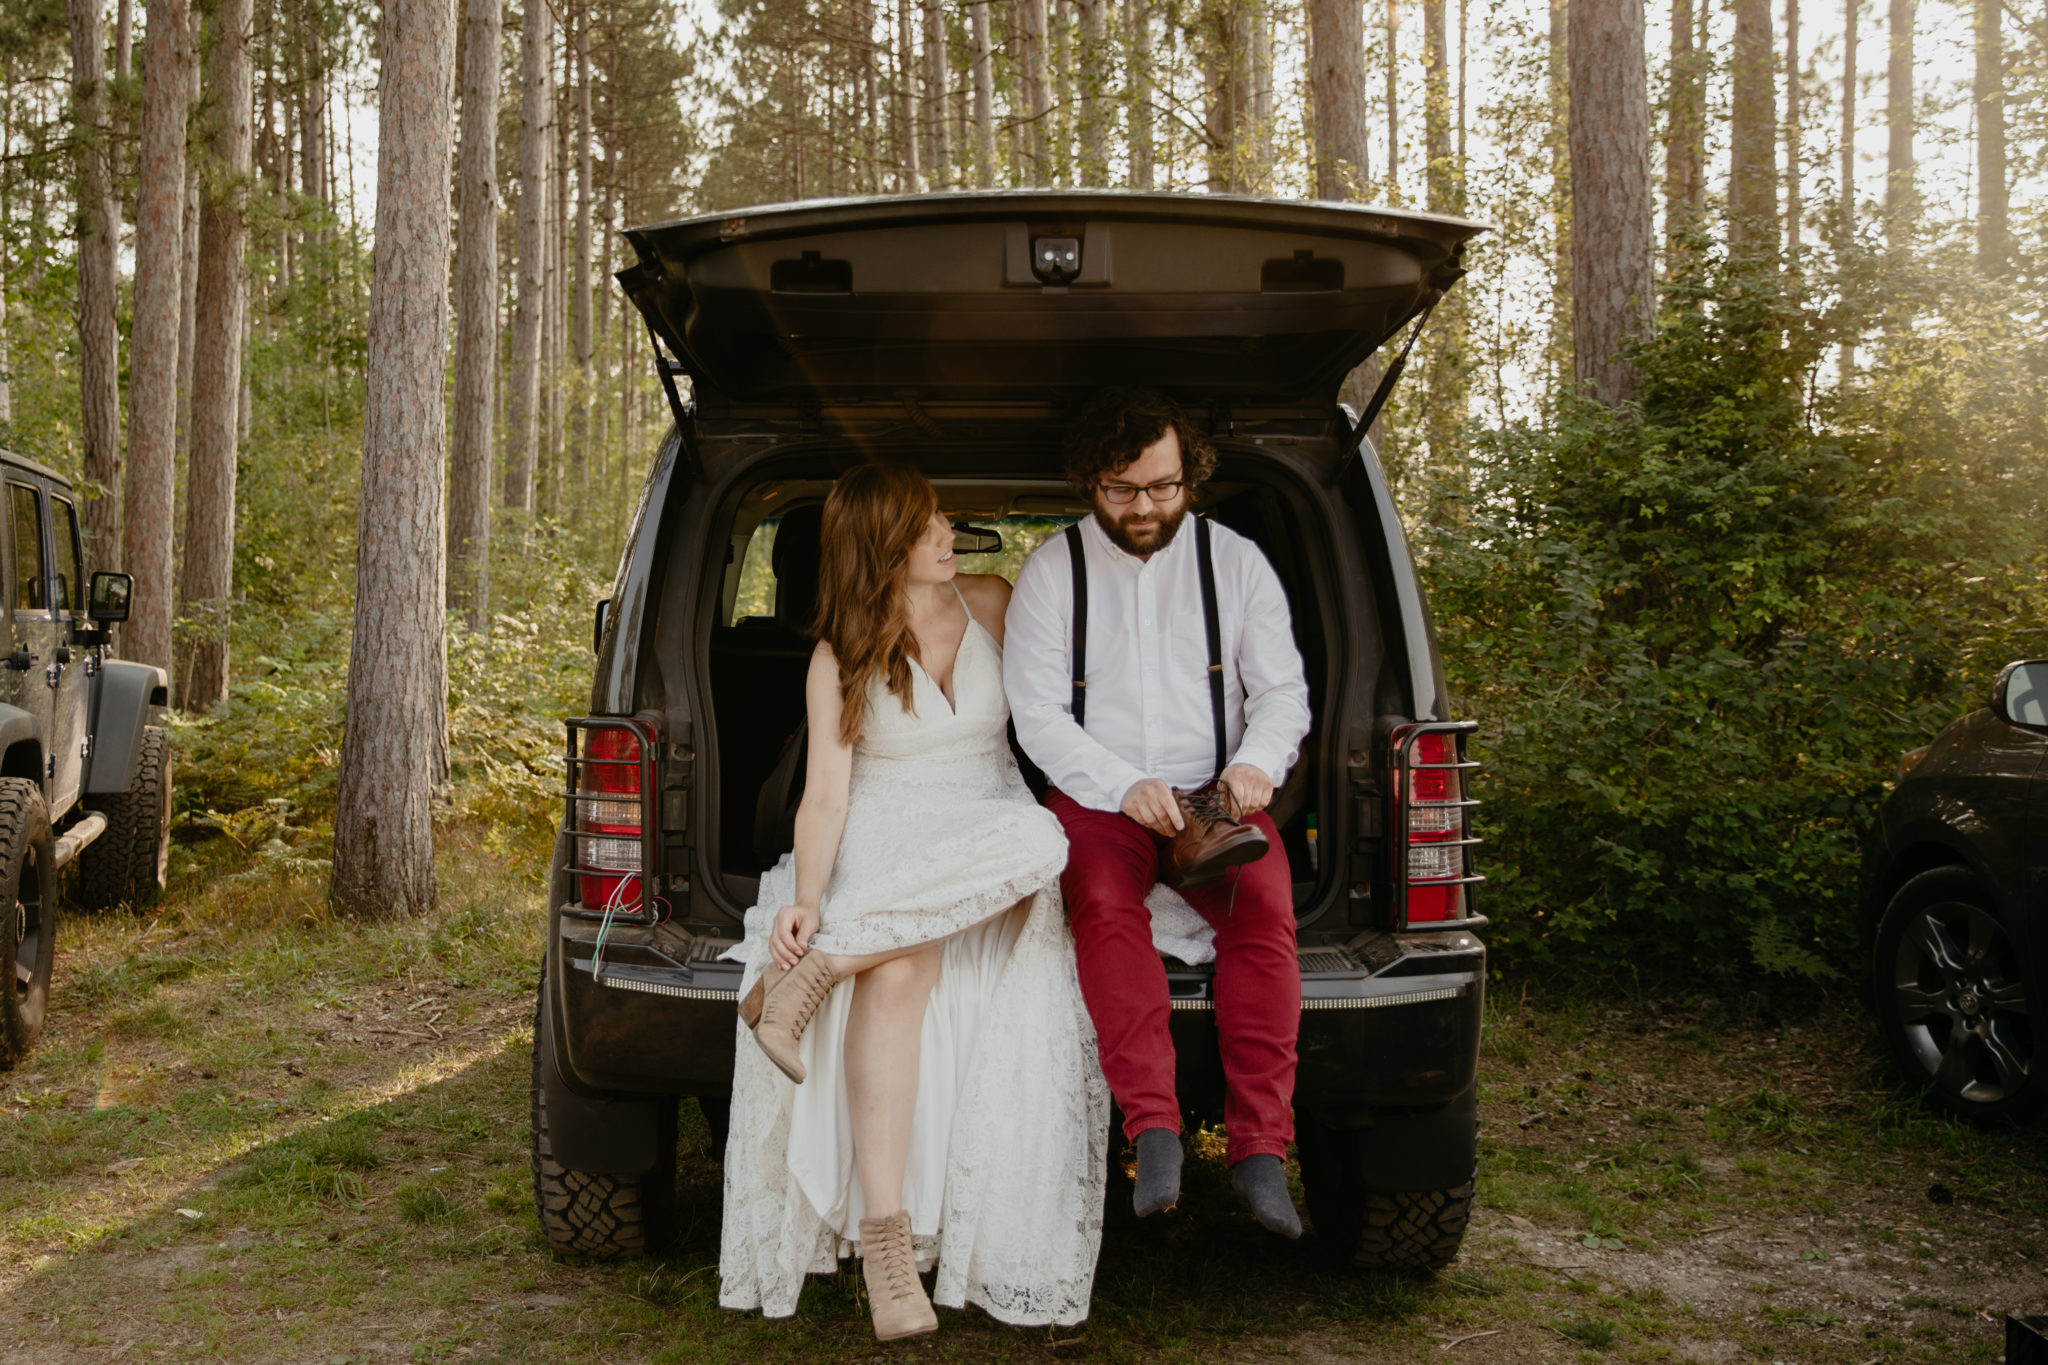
column 799, row 550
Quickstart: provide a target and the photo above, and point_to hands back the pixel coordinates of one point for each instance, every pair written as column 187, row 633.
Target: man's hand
column 1150, row 802
column 1249, row 787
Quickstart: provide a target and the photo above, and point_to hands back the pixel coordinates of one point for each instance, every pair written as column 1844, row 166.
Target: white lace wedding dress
column 1008, row 1147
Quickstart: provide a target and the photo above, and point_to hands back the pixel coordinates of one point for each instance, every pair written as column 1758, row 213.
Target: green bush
column 1697, row 631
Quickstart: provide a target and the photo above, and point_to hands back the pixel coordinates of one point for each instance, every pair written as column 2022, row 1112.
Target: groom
column 1169, row 663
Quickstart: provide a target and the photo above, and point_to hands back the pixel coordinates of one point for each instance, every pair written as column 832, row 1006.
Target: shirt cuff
column 1104, row 790
column 1274, row 764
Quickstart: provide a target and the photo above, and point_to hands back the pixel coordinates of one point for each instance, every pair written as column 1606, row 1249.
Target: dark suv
column 84, row 776
column 960, row 333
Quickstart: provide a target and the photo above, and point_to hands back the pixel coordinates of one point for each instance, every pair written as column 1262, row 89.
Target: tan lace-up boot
column 895, row 1295
column 787, row 1008
column 750, row 1004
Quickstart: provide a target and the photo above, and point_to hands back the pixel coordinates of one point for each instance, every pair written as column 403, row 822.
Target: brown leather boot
column 750, row 1004
column 895, row 1295
column 787, row 1007
column 1212, row 839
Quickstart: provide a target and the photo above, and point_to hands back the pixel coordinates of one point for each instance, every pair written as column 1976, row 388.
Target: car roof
column 23, row 463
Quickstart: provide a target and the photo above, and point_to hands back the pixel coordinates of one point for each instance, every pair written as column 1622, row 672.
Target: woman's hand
column 790, row 938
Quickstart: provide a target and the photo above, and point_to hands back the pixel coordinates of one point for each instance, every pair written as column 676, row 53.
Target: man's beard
column 1159, row 537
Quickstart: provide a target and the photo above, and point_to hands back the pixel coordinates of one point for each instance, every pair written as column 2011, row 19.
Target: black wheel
column 28, row 915
column 584, row 1213
column 1952, row 997
column 127, row 863
column 1368, row 1229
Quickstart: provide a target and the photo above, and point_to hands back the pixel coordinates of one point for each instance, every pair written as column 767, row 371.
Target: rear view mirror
column 2020, row 696
column 108, row 600
column 975, row 540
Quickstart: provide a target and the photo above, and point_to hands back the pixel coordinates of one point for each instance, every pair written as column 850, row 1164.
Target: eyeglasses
column 1165, row 491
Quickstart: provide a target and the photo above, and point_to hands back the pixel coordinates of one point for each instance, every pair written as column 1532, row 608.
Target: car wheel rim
column 28, row 926
column 1962, row 1006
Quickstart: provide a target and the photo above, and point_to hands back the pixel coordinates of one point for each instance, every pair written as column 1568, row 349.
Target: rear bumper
column 1389, row 1022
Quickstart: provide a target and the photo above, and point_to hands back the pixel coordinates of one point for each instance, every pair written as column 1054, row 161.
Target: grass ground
column 252, row 1133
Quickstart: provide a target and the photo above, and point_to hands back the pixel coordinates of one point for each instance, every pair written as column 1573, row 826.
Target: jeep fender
column 604, row 1137
column 1415, row 1151
column 21, row 745
column 121, row 711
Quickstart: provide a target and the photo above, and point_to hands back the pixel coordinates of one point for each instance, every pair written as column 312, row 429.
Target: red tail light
column 1431, row 808
column 608, row 819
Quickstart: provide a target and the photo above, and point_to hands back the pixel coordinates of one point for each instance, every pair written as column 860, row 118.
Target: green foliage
column 1698, row 630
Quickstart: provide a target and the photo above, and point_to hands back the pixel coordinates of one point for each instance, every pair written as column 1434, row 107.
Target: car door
column 64, row 670
column 34, row 624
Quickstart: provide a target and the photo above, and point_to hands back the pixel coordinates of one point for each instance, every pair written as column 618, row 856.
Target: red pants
column 1112, row 863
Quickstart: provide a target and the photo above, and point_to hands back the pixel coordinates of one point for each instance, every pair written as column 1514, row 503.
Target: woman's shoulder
column 984, row 590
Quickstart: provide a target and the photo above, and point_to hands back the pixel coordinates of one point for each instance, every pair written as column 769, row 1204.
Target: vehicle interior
column 759, row 648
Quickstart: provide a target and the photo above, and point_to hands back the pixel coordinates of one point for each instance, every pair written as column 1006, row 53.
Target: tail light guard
column 1431, row 844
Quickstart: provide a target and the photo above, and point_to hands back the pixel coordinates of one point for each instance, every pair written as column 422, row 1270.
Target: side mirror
column 2020, row 696
column 975, row 540
column 597, row 620
column 108, row 600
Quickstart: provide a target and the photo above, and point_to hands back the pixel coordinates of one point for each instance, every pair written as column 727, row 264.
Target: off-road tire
column 28, row 916
column 583, row 1213
column 127, row 863
column 1367, row 1229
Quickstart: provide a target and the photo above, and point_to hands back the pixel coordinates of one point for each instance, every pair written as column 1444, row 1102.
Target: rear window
column 71, row 584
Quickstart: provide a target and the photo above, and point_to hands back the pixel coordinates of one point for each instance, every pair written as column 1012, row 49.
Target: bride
column 925, row 1087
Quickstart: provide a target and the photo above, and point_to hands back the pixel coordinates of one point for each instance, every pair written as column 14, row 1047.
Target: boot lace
column 890, row 1254
column 1212, row 803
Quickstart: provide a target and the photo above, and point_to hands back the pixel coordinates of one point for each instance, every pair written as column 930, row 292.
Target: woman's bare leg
column 882, row 1035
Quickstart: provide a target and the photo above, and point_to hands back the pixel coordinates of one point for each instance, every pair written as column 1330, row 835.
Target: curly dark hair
column 1116, row 426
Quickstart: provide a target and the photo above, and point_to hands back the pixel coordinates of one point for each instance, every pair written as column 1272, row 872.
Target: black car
column 1956, row 886
column 960, row 333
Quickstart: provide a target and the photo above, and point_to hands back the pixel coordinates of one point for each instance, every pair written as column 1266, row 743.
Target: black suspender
column 1212, row 624
column 1206, row 560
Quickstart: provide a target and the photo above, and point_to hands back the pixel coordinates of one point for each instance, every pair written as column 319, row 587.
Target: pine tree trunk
column 1138, row 55
column 1038, row 94
column 1393, row 103
column 394, row 750
column 207, row 582
column 579, row 281
column 99, row 337
column 1612, row 224
column 536, row 109
column 1441, row 175
column 1227, row 82
column 1337, row 95
column 1556, row 70
column 1901, row 197
column 938, row 142
column 1684, row 133
column 150, row 504
column 1752, row 136
column 1994, row 240
column 984, row 97
column 1094, row 93
column 1851, row 11
column 476, row 319
column 1260, row 178
column 188, row 259
column 1793, row 87
column 124, row 38
column 313, row 119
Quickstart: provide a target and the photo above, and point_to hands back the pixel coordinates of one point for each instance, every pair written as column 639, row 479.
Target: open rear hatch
column 1035, row 295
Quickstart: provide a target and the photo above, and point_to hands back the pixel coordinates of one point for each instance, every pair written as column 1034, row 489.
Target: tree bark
column 1393, row 103
column 1851, row 10
column 188, row 261
column 476, row 320
column 313, row 119
column 938, row 141
column 904, row 107
column 99, row 337
column 146, row 546
column 536, row 111
column 1994, row 238
column 394, row 750
column 1794, row 84
column 1337, row 94
column 1556, row 70
column 579, row 281
column 1440, row 174
column 1094, row 93
column 1227, row 82
column 984, row 97
column 1612, row 225
column 1752, row 136
column 1685, row 133
column 1138, row 56
column 208, row 579
column 1901, row 197
column 1037, row 93
column 124, row 38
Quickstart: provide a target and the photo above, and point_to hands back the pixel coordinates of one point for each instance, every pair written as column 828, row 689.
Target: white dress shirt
column 1148, row 662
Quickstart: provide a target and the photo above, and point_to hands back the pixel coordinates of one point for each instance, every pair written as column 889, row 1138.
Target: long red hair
column 876, row 513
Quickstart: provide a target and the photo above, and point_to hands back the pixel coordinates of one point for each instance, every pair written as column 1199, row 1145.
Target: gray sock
column 1262, row 1180
column 1158, row 1171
